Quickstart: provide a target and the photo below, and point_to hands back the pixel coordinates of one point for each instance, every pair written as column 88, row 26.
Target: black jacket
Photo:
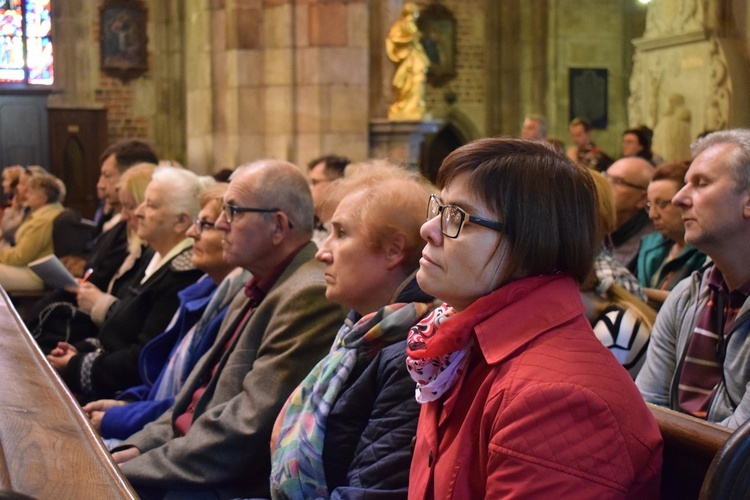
column 103, row 368
column 368, row 442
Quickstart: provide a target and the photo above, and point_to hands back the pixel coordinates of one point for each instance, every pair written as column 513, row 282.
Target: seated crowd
column 361, row 333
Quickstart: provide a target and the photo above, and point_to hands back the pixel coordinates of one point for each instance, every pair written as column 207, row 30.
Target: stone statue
column 672, row 132
column 403, row 46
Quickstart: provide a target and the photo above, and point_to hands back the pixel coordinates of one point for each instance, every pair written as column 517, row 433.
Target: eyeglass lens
column 450, row 222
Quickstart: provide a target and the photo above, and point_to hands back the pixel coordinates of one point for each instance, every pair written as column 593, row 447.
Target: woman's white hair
column 184, row 188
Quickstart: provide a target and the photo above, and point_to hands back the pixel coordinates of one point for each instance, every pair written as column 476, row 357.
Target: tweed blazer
column 226, row 452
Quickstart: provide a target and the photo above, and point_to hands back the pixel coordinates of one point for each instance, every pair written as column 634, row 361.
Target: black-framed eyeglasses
column 619, row 181
column 453, row 218
column 661, row 205
column 230, row 210
column 200, row 225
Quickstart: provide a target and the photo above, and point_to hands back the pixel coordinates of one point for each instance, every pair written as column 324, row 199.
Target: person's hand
column 95, row 417
column 87, row 295
column 61, row 356
column 101, row 405
column 123, row 456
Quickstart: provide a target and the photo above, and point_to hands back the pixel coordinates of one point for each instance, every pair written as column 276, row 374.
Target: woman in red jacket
column 519, row 398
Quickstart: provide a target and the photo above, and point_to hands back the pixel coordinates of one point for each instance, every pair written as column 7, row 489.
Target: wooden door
column 77, row 139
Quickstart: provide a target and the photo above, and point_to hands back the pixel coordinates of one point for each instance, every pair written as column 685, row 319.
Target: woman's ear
column 183, row 222
column 395, row 250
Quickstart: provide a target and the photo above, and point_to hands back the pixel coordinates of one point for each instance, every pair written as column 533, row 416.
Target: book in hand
column 53, row 272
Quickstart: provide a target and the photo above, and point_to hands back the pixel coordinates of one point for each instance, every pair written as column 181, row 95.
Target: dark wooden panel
column 77, row 139
column 23, row 130
column 690, row 445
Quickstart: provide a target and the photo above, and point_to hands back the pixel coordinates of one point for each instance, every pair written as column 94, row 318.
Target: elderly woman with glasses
column 664, row 259
column 519, row 398
column 101, row 366
column 166, row 361
column 347, row 430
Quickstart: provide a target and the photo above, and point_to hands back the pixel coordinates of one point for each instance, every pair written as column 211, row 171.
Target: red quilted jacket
column 543, row 411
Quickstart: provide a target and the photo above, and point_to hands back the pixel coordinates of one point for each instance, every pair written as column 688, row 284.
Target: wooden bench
column 48, row 449
column 728, row 478
column 690, row 445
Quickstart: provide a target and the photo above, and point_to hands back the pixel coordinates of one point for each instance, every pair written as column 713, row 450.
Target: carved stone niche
column 684, row 77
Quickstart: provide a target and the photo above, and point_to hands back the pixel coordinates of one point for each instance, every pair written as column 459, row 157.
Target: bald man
column 629, row 178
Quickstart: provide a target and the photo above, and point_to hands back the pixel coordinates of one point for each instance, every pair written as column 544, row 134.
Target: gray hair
column 739, row 159
column 185, row 189
column 540, row 120
column 282, row 185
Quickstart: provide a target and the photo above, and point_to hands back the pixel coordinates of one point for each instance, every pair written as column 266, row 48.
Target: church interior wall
column 233, row 80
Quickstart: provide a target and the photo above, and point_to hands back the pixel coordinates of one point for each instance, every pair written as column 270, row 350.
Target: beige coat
column 33, row 238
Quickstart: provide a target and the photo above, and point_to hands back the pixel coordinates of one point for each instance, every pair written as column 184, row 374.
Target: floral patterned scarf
column 299, row 432
column 438, row 346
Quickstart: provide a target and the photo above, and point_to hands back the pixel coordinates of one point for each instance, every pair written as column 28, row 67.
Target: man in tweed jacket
column 214, row 442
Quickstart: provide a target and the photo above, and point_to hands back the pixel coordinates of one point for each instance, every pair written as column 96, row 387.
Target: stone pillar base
column 401, row 141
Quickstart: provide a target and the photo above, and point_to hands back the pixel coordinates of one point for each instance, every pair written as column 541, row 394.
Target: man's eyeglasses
column 230, row 210
column 661, row 205
column 201, row 225
column 453, row 218
column 619, row 181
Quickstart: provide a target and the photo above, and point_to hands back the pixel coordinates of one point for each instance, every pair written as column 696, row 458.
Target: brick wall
column 118, row 98
column 469, row 85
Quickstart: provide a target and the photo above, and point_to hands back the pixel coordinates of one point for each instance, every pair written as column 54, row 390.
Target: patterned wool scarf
column 438, row 346
column 299, row 432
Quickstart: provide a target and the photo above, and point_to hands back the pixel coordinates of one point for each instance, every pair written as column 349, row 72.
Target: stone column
column 288, row 79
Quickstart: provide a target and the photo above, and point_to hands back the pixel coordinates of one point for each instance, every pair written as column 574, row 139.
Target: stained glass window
column 25, row 42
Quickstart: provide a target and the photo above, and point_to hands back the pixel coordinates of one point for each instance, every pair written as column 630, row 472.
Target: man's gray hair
column 282, row 185
column 184, row 189
column 540, row 120
column 739, row 159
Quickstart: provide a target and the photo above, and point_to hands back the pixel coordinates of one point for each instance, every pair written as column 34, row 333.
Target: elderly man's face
column 629, row 180
column 713, row 208
column 248, row 239
column 532, row 130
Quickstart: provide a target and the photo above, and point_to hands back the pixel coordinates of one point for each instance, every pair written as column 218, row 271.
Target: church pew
column 48, row 449
column 690, row 445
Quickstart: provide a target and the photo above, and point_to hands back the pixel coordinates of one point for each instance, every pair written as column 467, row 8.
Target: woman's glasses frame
column 454, row 217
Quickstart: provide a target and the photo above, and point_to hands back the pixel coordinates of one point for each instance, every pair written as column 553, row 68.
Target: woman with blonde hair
column 66, row 315
column 621, row 320
column 608, row 269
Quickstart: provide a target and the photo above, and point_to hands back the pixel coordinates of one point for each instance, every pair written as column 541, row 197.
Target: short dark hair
column 644, row 136
column 547, row 204
column 580, row 121
column 129, row 152
column 334, row 165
